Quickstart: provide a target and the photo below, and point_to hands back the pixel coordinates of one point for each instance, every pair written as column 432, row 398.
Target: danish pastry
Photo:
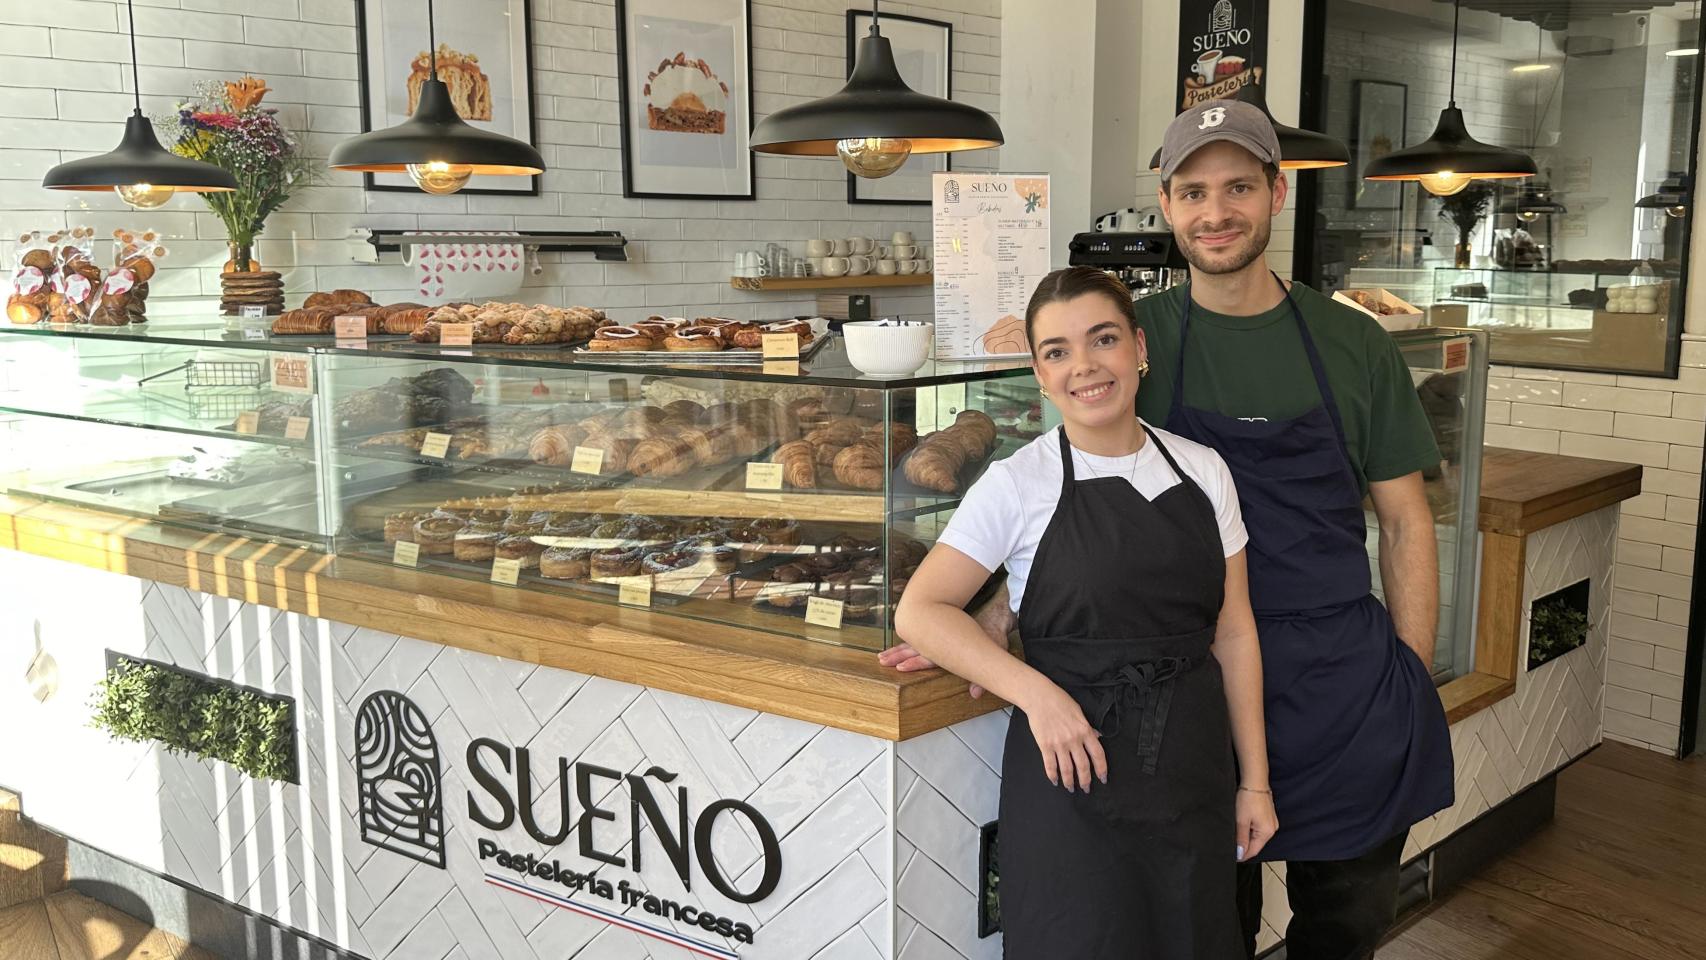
column 621, row 339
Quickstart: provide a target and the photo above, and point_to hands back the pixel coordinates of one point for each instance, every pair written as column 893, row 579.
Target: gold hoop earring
column 1043, row 391
column 1143, row 368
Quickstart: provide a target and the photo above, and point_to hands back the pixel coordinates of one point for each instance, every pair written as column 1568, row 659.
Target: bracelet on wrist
column 1268, row 793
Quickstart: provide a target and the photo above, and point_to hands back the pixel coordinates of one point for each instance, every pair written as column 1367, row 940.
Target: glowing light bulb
column 873, row 157
column 1531, row 67
column 1528, row 216
column 1683, row 52
column 440, row 178
column 144, row 196
column 1444, row 183
column 1676, row 211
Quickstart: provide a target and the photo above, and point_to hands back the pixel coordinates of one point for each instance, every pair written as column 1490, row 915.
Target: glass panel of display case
column 1449, row 369
column 188, row 430
column 791, row 503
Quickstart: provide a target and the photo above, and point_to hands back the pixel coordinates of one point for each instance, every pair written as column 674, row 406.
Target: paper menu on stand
column 991, row 247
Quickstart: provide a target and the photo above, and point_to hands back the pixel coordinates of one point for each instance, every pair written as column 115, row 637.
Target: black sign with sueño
column 1223, row 46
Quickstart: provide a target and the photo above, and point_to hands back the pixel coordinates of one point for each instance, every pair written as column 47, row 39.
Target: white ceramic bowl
column 887, row 351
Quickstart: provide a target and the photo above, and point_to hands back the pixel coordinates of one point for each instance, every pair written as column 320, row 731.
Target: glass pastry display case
column 1449, row 369
column 794, row 500
column 1603, row 320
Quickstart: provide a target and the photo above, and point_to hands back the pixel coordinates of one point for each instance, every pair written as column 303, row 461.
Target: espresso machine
column 1148, row 262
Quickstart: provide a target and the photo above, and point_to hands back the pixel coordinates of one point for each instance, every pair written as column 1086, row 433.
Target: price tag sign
column 406, row 554
column 824, row 612
column 292, row 374
column 587, row 460
column 249, row 421
column 349, row 327
column 764, row 476
column 252, row 311
column 635, row 591
column 506, row 570
column 1456, row 356
column 618, row 390
column 435, row 445
column 781, row 345
column 782, row 368
column 254, row 333
column 296, row 428
column 456, row 334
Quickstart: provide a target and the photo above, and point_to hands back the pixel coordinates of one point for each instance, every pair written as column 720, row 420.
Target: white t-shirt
column 1003, row 516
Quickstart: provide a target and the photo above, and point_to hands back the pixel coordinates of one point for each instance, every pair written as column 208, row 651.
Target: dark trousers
column 1339, row 908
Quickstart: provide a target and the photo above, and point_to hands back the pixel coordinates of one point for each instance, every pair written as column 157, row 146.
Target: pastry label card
column 406, row 554
column 249, row 421
column 782, row 368
column 456, row 334
column 991, row 234
column 635, row 591
column 435, row 445
column 824, row 612
column 252, row 311
column 587, row 460
column 506, row 570
column 291, row 373
column 351, row 326
column 781, row 346
column 296, row 428
column 764, row 476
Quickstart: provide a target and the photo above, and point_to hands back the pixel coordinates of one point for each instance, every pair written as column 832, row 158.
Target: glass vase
column 243, row 258
column 1462, row 254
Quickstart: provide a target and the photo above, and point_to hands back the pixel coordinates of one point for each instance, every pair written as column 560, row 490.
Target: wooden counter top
column 1522, row 492
column 807, row 680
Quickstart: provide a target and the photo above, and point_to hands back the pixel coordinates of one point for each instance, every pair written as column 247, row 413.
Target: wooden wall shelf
column 868, row 281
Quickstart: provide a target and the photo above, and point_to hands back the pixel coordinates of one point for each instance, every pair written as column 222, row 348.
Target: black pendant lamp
column 435, row 147
column 143, row 173
column 1671, row 197
column 1535, row 201
column 1448, row 160
column 1300, row 149
column 876, row 121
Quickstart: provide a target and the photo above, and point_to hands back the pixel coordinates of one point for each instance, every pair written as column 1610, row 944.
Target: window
column 1580, row 267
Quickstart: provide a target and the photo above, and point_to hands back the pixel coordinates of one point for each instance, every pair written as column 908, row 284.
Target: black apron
column 1358, row 747
column 1120, row 610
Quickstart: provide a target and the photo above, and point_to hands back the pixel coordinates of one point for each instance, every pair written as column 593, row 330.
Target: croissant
column 936, row 466
column 861, row 465
column 615, row 449
column 405, row 321
column 555, row 445
column 826, row 452
column 712, row 445
column 840, row 431
column 799, row 463
column 979, row 423
column 660, row 457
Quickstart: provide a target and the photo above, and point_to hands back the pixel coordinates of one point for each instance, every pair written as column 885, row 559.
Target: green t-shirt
column 1256, row 367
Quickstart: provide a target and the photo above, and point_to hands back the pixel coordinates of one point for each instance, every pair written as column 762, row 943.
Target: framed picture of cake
column 485, row 57
column 924, row 52
column 686, row 79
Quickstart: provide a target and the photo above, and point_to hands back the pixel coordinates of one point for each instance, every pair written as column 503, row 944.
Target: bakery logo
column 951, row 191
column 1221, row 59
column 506, row 776
column 399, row 787
column 1222, row 19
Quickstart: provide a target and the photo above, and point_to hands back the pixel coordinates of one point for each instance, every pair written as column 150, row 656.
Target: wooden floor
column 1620, row 874
column 70, row 926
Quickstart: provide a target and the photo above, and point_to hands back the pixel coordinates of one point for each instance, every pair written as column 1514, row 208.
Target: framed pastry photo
column 924, row 54
column 1378, row 115
column 686, row 80
column 485, row 57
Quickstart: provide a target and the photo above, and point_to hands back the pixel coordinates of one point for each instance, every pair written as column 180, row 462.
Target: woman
column 1122, row 814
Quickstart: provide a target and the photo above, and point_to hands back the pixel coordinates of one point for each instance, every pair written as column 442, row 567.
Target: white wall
column 65, row 92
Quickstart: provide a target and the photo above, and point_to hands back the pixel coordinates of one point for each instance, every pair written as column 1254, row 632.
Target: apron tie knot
column 1147, row 688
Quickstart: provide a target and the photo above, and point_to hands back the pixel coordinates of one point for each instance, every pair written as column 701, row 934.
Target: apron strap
column 1166, row 454
column 1067, row 479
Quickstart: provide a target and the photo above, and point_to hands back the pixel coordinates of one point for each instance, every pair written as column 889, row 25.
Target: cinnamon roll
column 621, row 339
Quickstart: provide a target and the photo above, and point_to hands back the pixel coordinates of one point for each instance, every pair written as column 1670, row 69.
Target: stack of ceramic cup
column 858, row 256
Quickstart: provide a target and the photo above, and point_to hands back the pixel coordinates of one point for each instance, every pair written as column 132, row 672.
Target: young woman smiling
column 1135, row 774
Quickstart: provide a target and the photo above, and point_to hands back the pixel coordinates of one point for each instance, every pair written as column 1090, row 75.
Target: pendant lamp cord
column 1456, row 13
column 876, row 15
column 135, row 73
column 432, row 42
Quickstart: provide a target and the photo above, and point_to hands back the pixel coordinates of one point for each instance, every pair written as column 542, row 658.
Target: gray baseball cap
column 1213, row 120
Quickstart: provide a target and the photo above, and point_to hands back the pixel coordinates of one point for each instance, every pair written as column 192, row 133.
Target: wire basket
column 223, row 373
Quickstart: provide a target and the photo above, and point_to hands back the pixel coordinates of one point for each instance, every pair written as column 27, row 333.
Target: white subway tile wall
column 64, row 94
column 1660, row 424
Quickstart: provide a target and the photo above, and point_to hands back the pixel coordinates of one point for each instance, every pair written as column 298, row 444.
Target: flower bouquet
column 225, row 125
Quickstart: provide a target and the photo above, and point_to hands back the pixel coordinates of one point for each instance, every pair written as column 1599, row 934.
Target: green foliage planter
column 191, row 713
column 1558, row 623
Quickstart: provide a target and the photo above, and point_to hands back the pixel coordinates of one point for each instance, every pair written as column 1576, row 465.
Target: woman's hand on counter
column 995, row 617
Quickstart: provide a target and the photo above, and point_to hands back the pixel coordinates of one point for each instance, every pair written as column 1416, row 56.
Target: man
column 1312, row 407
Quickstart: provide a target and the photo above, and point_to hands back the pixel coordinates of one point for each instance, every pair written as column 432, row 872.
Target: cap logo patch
column 1212, row 117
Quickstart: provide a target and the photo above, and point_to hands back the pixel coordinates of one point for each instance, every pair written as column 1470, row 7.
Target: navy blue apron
column 1358, row 747
column 1120, row 611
